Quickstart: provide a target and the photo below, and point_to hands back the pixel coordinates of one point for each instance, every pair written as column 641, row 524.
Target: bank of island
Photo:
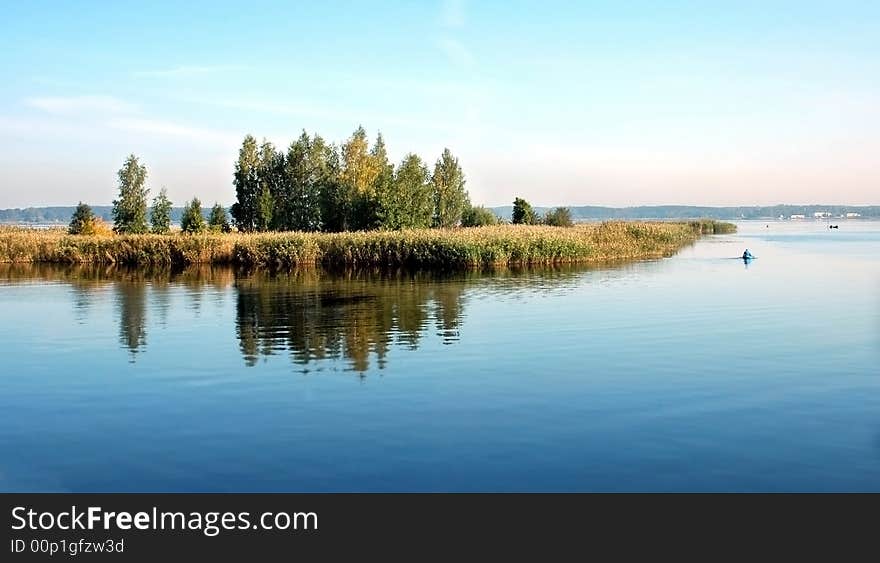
column 500, row 245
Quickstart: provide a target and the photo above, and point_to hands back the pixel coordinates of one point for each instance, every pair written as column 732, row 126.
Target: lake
column 693, row 373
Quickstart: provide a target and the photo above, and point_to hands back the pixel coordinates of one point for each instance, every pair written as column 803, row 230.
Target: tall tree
column 247, row 185
column 298, row 207
column 358, row 176
column 408, row 202
column 333, row 195
column 217, row 220
column 450, row 197
column 192, row 220
column 383, row 178
column 523, row 214
column 270, row 173
column 130, row 209
column 160, row 214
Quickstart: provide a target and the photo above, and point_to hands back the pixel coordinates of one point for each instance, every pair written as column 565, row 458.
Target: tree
column 332, row 192
column 247, row 185
column 407, row 201
column 358, row 176
column 83, row 220
column 217, row 220
column 478, row 216
column 523, row 214
column 298, row 206
column 160, row 214
column 270, row 181
column 192, row 221
column 370, row 208
column 130, row 210
column 559, row 217
column 450, row 197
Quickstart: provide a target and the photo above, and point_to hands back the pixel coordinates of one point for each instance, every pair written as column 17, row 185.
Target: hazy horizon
column 559, row 103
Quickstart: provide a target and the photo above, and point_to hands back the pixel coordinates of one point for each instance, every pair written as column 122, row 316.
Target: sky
column 563, row 103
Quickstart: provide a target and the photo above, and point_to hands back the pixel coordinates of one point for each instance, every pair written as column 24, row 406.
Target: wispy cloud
column 69, row 105
column 173, row 129
column 452, row 13
column 456, row 51
column 185, row 70
column 323, row 113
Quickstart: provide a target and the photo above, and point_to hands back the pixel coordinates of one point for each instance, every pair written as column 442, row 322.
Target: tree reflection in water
column 310, row 314
column 314, row 315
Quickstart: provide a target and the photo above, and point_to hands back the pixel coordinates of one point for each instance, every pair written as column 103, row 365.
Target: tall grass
column 712, row 227
column 429, row 248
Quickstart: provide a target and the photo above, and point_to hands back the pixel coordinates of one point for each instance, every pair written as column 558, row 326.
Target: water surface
column 697, row 372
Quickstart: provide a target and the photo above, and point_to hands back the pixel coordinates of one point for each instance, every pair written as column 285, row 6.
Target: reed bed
column 503, row 245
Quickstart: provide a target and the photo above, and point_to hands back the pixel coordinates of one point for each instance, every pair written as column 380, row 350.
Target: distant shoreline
column 60, row 215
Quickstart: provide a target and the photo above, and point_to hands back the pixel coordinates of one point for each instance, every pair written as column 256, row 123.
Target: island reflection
column 344, row 320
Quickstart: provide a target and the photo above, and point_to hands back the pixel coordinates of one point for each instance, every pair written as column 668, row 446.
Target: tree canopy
column 316, row 186
column 160, row 214
column 130, row 209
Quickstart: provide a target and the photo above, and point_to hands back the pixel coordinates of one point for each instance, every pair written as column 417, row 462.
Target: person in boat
column 747, row 255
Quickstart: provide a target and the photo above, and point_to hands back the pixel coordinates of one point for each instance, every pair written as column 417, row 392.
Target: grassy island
column 500, row 245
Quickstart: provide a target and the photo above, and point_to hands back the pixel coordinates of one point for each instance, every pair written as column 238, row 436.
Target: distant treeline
column 590, row 212
column 62, row 214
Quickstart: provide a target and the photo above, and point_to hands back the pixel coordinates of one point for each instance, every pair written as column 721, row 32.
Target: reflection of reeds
column 434, row 248
column 85, row 276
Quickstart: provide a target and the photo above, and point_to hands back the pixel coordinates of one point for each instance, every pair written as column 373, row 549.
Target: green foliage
column 82, row 222
column 270, row 173
column 315, row 186
column 523, row 214
column 478, row 216
column 298, row 203
column 217, row 220
column 247, row 185
column 406, row 201
column 160, row 214
column 130, row 209
column 558, row 217
column 359, row 173
column 192, row 220
column 332, row 194
column 450, row 197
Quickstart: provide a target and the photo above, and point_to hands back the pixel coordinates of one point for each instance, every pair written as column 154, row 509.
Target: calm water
column 697, row 372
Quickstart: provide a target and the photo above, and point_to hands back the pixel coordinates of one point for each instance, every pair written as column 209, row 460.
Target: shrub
column 559, row 217
column 82, row 221
column 478, row 216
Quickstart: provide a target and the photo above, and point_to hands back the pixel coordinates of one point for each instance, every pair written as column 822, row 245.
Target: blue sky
column 605, row 103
